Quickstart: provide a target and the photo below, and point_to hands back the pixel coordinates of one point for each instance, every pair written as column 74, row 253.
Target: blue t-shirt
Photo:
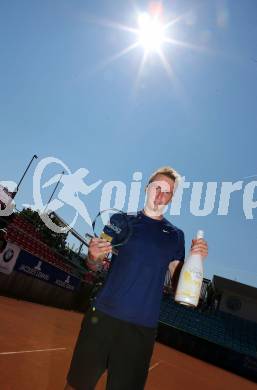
column 133, row 288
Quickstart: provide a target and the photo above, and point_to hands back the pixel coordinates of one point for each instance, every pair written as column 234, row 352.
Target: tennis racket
column 112, row 225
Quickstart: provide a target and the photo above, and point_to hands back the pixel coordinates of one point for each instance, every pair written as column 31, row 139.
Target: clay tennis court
column 36, row 344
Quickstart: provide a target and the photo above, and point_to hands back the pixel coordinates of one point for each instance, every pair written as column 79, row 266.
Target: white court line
column 33, row 350
column 154, row 365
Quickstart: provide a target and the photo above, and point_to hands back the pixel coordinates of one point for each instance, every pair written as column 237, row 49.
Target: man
column 119, row 330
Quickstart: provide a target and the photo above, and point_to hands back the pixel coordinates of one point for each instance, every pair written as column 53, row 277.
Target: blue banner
column 33, row 266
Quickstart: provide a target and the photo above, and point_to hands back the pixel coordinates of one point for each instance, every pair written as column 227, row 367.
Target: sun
column 150, row 32
column 153, row 35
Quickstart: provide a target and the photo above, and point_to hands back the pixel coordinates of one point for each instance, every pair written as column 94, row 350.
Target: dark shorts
column 104, row 342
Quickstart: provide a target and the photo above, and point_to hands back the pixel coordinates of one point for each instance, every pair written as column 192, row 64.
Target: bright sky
column 65, row 92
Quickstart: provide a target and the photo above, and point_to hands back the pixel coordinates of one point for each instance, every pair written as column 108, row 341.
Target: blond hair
column 166, row 171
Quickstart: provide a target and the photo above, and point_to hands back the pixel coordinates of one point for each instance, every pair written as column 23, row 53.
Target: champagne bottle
column 191, row 278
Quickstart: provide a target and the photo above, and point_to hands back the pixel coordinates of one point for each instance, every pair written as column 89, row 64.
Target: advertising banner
column 33, row 266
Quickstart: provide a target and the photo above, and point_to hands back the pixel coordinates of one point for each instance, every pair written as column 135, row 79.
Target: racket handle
column 88, row 238
column 115, row 251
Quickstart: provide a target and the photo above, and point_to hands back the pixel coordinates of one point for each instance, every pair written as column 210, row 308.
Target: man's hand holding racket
column 98, row 249
column 112, row 229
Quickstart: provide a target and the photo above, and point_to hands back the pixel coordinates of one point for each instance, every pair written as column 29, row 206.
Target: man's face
column 159, row 193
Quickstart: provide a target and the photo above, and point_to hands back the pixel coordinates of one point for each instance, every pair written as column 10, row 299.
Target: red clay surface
column 43, row 339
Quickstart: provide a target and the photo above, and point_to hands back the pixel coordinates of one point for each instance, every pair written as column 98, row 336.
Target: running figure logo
column 67, row 280
column 38, row 266
column 72, row 185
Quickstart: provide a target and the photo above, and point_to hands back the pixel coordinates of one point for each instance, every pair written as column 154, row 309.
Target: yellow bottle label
column 191, row 285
